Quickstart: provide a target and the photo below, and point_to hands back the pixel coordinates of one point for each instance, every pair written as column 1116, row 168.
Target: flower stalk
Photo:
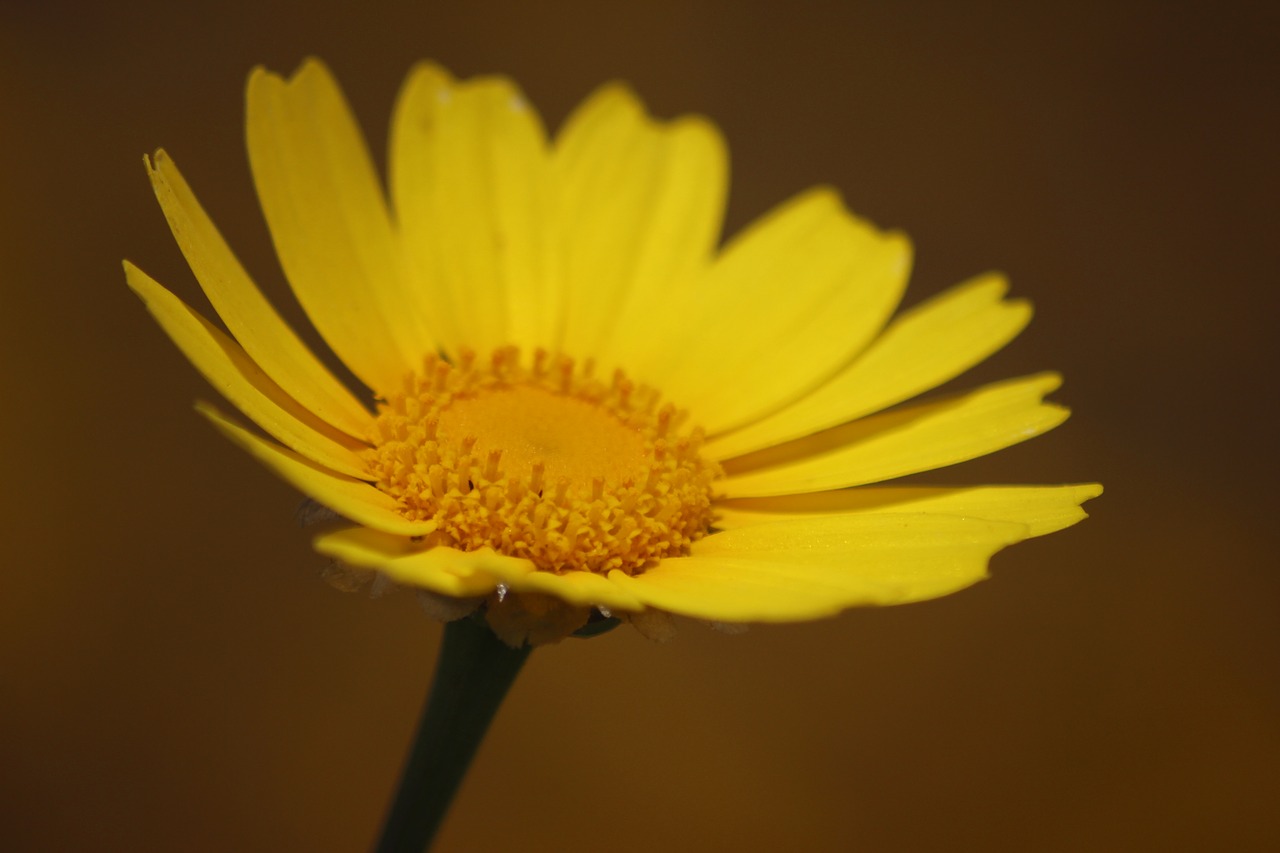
column 474, row 672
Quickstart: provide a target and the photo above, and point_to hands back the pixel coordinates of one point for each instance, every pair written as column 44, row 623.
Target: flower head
column 578, row 401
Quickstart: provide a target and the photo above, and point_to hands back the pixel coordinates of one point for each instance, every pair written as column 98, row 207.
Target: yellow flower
column 582, row 400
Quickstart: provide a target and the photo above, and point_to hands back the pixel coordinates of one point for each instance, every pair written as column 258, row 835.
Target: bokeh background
column 175, row 676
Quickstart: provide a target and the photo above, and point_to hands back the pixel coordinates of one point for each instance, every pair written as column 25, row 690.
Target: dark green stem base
column 473, row 675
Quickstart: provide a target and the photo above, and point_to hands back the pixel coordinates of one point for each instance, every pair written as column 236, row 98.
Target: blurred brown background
column 174, row 676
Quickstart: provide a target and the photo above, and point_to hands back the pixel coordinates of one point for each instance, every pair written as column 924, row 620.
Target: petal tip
column 1022, row 308
column 995, row 281
column 823, row 194
column 1047, row 382
column 429, row 72
column 139, row 282
column 260, row 76
column 618, row 92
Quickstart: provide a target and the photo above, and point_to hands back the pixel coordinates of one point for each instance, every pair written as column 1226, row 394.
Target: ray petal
column 901, row 442
column 347, row 496
column 789, row 302
column 265, row 336
column 640, row 210
column 920, row 349
column 229, row 369
column 583, row 589
column 1044, row 509
column 471, row 188
column 332, row 231
column 814, row 567
column 408, row 562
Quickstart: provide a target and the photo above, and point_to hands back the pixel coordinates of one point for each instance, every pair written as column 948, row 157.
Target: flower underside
column 543, row 461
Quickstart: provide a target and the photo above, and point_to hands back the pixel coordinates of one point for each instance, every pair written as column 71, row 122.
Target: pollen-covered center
column 543, row 461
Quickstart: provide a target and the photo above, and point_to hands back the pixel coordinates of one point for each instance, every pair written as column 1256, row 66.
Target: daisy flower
column 577, row 401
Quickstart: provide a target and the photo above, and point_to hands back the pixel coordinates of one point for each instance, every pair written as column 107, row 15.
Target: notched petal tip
column 158, row 164
column 617, row 88
column 900, row 242
column 995, row 281
column 1085, row 492
column 312, row 65
column 151, row 292
column 260, row 76
column 1044, row 382
column 616, row 108
column 143, row 286
column 134, row 277
column 352, row 498
column 309, row 66
column 698, row 127
column 618, row 94
column 310, row 72
column 429, row 69
column 426, row 83
column 825, row 197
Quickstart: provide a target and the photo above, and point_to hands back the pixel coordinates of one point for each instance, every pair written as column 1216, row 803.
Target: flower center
column 543, row 462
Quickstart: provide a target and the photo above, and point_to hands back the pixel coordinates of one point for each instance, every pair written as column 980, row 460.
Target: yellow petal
column 255, row 324
column 403, row 560
column 348, row 497
column 921, row 349
column 790, row 301
column 906, row 441
column 583, row 589
column 812, row 567
column 332, row 232
column 237, row 378
column 471, row 187
column 640, row 208
column 467, row 573
column 1044, row 509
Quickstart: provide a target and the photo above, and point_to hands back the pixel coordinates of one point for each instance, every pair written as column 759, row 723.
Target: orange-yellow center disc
column 573, row 439
column 544, row 462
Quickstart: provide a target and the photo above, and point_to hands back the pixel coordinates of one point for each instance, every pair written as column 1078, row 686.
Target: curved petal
column 894, row 444
column 640, row 211
column 582, row 589
column 468, row 573
column 332, row 232
column 1044, row 509
column 237, row 378
column 789, row 302
column 406, row 561
column 265, row 336
column 348, row 497
column 471, row 189
column 924, row 347
column 813, row 567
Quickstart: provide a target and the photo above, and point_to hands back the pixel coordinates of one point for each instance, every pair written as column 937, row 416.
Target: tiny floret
column 543, row 461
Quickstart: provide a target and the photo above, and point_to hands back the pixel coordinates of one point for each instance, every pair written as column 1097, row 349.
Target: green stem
column 473, row 675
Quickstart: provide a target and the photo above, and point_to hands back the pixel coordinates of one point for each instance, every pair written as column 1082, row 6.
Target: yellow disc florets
column 543, row 462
